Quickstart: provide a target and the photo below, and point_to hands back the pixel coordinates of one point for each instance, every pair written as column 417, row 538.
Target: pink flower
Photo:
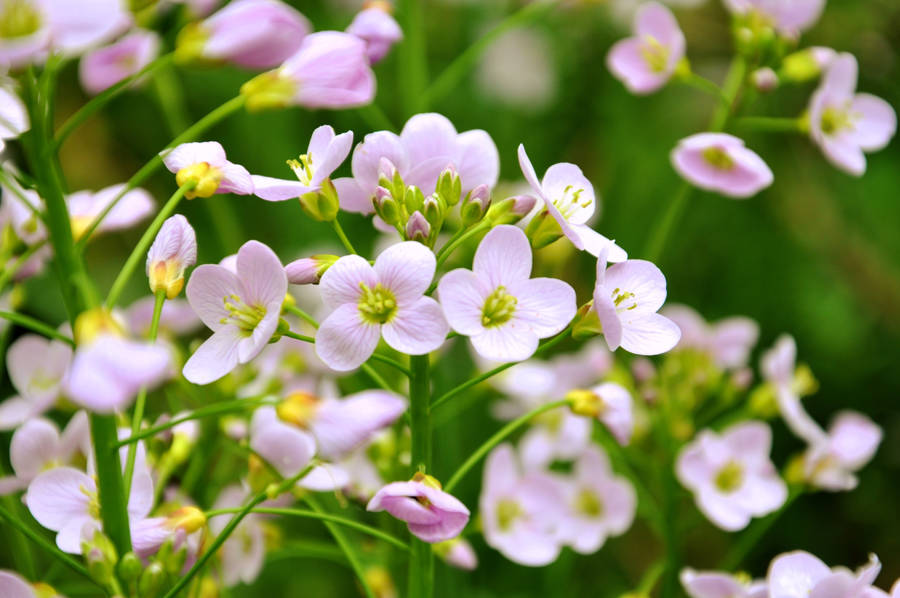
column 799, row 575
column 256, row 34
column 28, row 226
column 728, row 341
column 601, row 504
column 378, row 29
column 288, row 448
column 431, row 514
column 777, row 366
column 242, row 309
column 844, row 123
column 37, row 368
column 14, row 586
column 329, row 70
column 458, row 553
column 714, row 584
column 569, row 198
column 610, row 403
column 427, row 145
column 109, row 370
column 326, row 152
column 731, row 475
column 174, row 249
column 851, row 442
column 104, row 67
column 626, row 298
column 645, row 62
column 521, row 514
column 38, row 446
column 385, row 300
column 720, row 162
column 498, row 306
column 206, row 165
column 85, row 206
column 790, row 18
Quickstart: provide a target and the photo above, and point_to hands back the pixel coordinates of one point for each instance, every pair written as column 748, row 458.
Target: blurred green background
column 816, row 255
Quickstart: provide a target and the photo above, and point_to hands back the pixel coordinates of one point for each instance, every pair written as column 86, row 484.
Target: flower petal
column 207, row 289
column 462, row 294
column 503, row 257
column 261, row 274
column 508, row 342
column 545, row 305
column 273, row 189
column 344, row 341
column 59, row 496
column 649, row 334
column 340, row 283
column 217, row 356
column 418, row 328
column 406, row 269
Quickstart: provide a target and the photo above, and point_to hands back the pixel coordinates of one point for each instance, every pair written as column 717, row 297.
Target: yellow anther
column 205, row 177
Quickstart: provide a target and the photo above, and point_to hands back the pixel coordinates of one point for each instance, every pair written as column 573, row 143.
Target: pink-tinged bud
column 309, row 270
column 765, row 79
column 523, row 204
column 417, row 228
column 173, row 250
column 475, row 204
column 330, row 70
column 457, row 553
column 104, row 67
column 378, row 29
column 256, row 34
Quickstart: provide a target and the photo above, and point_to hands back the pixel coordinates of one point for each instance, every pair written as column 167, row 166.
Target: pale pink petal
column 656, row 20
column 288, row 448
column 876, row 122
column 462, row 295
column 561, row 183
column 529, row 173
column 272, row 189
column 341, row 282
column 854, row 439
column 59, row 496
column 235, row 179
column 503, row 257
column 340, row 426
column 14, row 411
column 722, row 511
column 594, row 243
column 352, row 197
column 406, row 269
column 217, row 356
column 344, row 341
column 511, row 341
column 34, row 447
column 187, row 154
column 545, row 305
column 627, row 63
column 795, row 574
column 13, row 586
column 327, row 156
column 710, row 584
column 649, row 334
column 429, row 136
column 261, row 274
column 478, row 162
column 643, row 279
column 368, row 156
column 417, row 328
column 207, row 290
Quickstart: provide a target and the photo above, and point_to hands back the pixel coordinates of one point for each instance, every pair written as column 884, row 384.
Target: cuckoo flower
column 789, row 17
column 427, row 145
column 626, row 298
column 14, row 586
column 457, row 553
column 609, row 402
column 256, row 34
column 184, row 528
column 569, row 198
column 731, row 476
column 521, row 514
column 37, row 368
column 85, row 206
column 242, row 308
column 65, row 500
column 601, row 504
column 728, row 342
column 173, row 250
column 325, row 153
column 378, row 29
column 329, row 70
column 720, row 162
column 104, row 67
column 385, row 300
column 645, row 62
column 431, row 514
column 18, row 211
column 851, row 442
column 288, row 448
column 498, row 306
column 777, row 366
column 715, row 584
column 205, row 164
column 38, row 446
column 845, row 124
column 309, row 270
column 799, row 575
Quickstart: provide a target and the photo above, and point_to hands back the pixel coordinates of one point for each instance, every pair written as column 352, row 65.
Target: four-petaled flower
column 645, row 62
column 431, row 514
column 204, row 163
column 720, row 162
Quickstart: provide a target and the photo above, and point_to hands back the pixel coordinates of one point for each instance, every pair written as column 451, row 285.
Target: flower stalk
column 421, row 561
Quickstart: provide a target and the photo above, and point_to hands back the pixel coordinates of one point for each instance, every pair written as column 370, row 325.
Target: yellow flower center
column 18, row 18
column 298, row 408
column 508, row 511
column 718, row 158
column 570, row 201
column 378, row 305
column 730, row 477
column 499, row 308
column 205, row 177
column 303, row 168
column 835, row 120
column 654, row 54
column 588, row 503
column 246, row 317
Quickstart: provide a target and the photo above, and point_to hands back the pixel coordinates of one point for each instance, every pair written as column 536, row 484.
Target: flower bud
column 764, row 79
column 413, row 199
column 322, row 205
column 807, row 64
column 587, row 323
column 433, row 210
column 449, row 186
column 386, row 206
column 309, row 270
column 130, row 567
column 152, row 581
column 585, row 402
column 205, row 178
column 417, row 228
column 542, row 230
column 375, row 25
column 457, row 553
column 511, row 209
column 475, row 205
column 173, row 250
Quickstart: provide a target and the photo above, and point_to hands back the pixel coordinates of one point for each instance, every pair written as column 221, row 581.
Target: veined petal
column 417, row 328
column 478, row 161
column 462, row 294
column 188, row 154
column 545, row 305
column 59, row 496
column 272, row 189
column 561, row 183
column 529, row 173
column 344, row 341
column 641, row 278
column 649, row 334
column 340, row 283
column 406, row 269
column 512, row 341
column 207, row 290
column 217, row 356
column 261, row 274
column 503, row 257
column 352, row 197
column 594, row 243
column 429, row 136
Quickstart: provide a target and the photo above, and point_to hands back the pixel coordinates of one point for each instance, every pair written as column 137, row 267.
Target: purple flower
column 329, row 70
column 777, row 366
column 720, row 162
column 851, row 442
column 731, row 475
column 102, row 68
column 288, row 448
column 256, row 34
column 174, row 249
column 14, row 586
column 431, row 514
column 37, row 369
column 569, row 198
column 728, row 342
column 626, row 298
column 38, row 446
column 715, row 584
column 610, row 403
column 326, row 152
column 242, row 309
column 378, row 29
column 790, row 18
column 498, row 306
column 385, row 300
column 427, row 145
column 645, row 62
column 845, row 124
column 800, row 575
column 601, row 504
column 521, row 514
column 458, row 553
column 206, row 165
column 85, row 206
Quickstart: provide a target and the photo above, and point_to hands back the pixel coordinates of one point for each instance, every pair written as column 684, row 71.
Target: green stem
column 226, row 109
column 734, row 82
column 664, row 226
column 36, row 326
column 103, row 98
column 235, row 406
column 413, row 60
column 17, row 265
column 12, row 185
column 376, row 377
column 772, row 125
column 20, row 548
column 110, row 485
column 421, row 562
column 501, row 435
column 456, row 241
column 342, row 236
column 308, row 549
column 361, row 527
column 755, row 533
column 647, row 505
column 546, row 345
column 302, row 315
column 138, row 417
column 453, row 74
column 266, row 494
column 344, row 545
column 138, row 254
column 705, row 85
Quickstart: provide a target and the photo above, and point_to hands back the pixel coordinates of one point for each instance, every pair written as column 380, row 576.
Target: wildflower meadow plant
column 166, row 446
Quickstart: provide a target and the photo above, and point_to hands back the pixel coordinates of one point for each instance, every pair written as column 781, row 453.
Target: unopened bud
column 386, row 206
column 413, row 199
column 309, row 270
column 475, row 205
column 511, row 209
column 130, row 567
column 807, row 64
column 173, row 250
column 449, row 186
column 417, row 228
column 587, row 323
column 433, row 210
column 585, row 402
column 542, row 230
column 764, row 79
column 152, row 581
